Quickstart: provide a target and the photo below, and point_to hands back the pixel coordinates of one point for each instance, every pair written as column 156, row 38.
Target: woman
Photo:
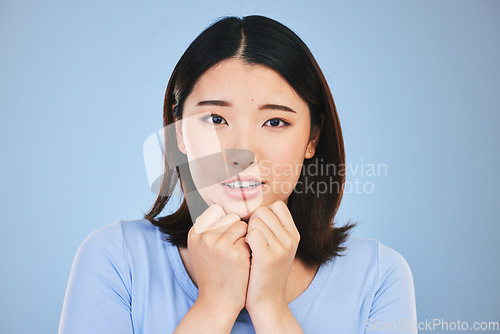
column 248, row 117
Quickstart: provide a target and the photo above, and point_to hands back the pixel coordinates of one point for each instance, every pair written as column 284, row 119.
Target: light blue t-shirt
column 126, row 279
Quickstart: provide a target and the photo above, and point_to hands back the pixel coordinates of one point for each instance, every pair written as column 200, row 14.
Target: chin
column 243, row 208
column 244, row 212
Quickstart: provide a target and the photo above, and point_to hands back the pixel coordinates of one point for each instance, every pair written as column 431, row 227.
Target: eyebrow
column 219, row 103
column 276, row 107
column 222, row 103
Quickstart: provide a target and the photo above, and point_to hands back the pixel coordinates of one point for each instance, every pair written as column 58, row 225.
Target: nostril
column 239, row 158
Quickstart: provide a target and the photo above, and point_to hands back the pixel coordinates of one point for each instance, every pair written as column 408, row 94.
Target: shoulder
column 391, row 262
column 373, row 280
column 120, row 231
column 391, row 288
column 389, row 268
column 359, row 253
column 370, row 258
column 374, row 251
column 108, row 250
column 112, row 240
column 100, row 283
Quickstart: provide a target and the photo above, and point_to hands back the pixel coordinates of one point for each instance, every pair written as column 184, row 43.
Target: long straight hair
column 261, row 40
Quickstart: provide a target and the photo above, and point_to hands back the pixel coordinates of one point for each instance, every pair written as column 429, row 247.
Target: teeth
column 243, row 184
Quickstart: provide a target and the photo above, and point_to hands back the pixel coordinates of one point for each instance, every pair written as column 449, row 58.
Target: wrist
column 267, row 306
column 274, row 318
column 218, row 308
column 204, row 317
column 267, row 311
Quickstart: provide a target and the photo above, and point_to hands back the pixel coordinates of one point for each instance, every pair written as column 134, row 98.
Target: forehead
column 234, row 80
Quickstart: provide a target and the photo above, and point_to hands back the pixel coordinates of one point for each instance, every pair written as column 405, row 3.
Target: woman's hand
column 273, row 239
column 220, row 258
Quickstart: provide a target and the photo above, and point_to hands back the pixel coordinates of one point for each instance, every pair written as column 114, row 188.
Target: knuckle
column 198, row 219
column 277, row 204
column 233, row 216
column 236, row 228
column 251, row 224
column 241, row 229
column 281, row 252
column 254, row 222
column 219, row 247
column 287, row 243
column 200, row 238
column 207, row 237
column 192, row 235
column 236, row 252
column 260, row 210
column 241, row 223
column 219, row 209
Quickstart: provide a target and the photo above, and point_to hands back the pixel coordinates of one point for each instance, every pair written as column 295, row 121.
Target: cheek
column 289, row 150
column 283, row 172
column 204, row 155
column 200, row 140
column 284, row 165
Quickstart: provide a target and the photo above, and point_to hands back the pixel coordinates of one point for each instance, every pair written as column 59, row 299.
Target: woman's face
column 245, row 122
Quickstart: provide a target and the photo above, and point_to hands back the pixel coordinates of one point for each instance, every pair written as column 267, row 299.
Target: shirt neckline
column 303, row 299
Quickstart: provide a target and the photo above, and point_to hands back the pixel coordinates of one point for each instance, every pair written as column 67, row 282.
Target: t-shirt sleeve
column 393, row 309
column 98, row 298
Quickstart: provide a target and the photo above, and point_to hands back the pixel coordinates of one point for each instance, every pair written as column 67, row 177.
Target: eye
column 275, row 123
column 214, row 119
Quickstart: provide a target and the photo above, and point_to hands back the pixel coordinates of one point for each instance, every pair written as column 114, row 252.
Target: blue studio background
column 416, row 86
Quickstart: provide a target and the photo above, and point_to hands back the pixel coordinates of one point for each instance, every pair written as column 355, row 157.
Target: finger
column 257, row 242
column 280, row 210
column 207, row 218
column 234, row 232
column 224, row 222
column 257, row 224
column 222, row 225
column 241, row 242
column 271, row 221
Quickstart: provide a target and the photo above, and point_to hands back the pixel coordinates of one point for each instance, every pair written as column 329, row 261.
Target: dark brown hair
column 261, row 40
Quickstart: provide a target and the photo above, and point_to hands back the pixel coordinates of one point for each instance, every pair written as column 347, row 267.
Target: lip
column 240, row 177
column 242, row 194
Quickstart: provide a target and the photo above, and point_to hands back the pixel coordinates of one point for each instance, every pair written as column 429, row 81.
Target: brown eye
column 215, row 119
column 275, row 123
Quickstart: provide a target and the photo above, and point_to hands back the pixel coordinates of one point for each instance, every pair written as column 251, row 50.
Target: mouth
column 243, row 184
column 243, row 187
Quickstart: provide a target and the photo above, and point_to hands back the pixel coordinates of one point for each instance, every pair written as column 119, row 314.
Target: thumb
column 257, row 242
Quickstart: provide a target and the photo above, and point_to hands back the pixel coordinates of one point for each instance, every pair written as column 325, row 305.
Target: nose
column 237, row 160
column 239, row 148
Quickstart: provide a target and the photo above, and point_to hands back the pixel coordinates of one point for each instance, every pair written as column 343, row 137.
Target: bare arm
column 275, row 320
column 273, row 239
column 220, row 261
column 205, row 317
